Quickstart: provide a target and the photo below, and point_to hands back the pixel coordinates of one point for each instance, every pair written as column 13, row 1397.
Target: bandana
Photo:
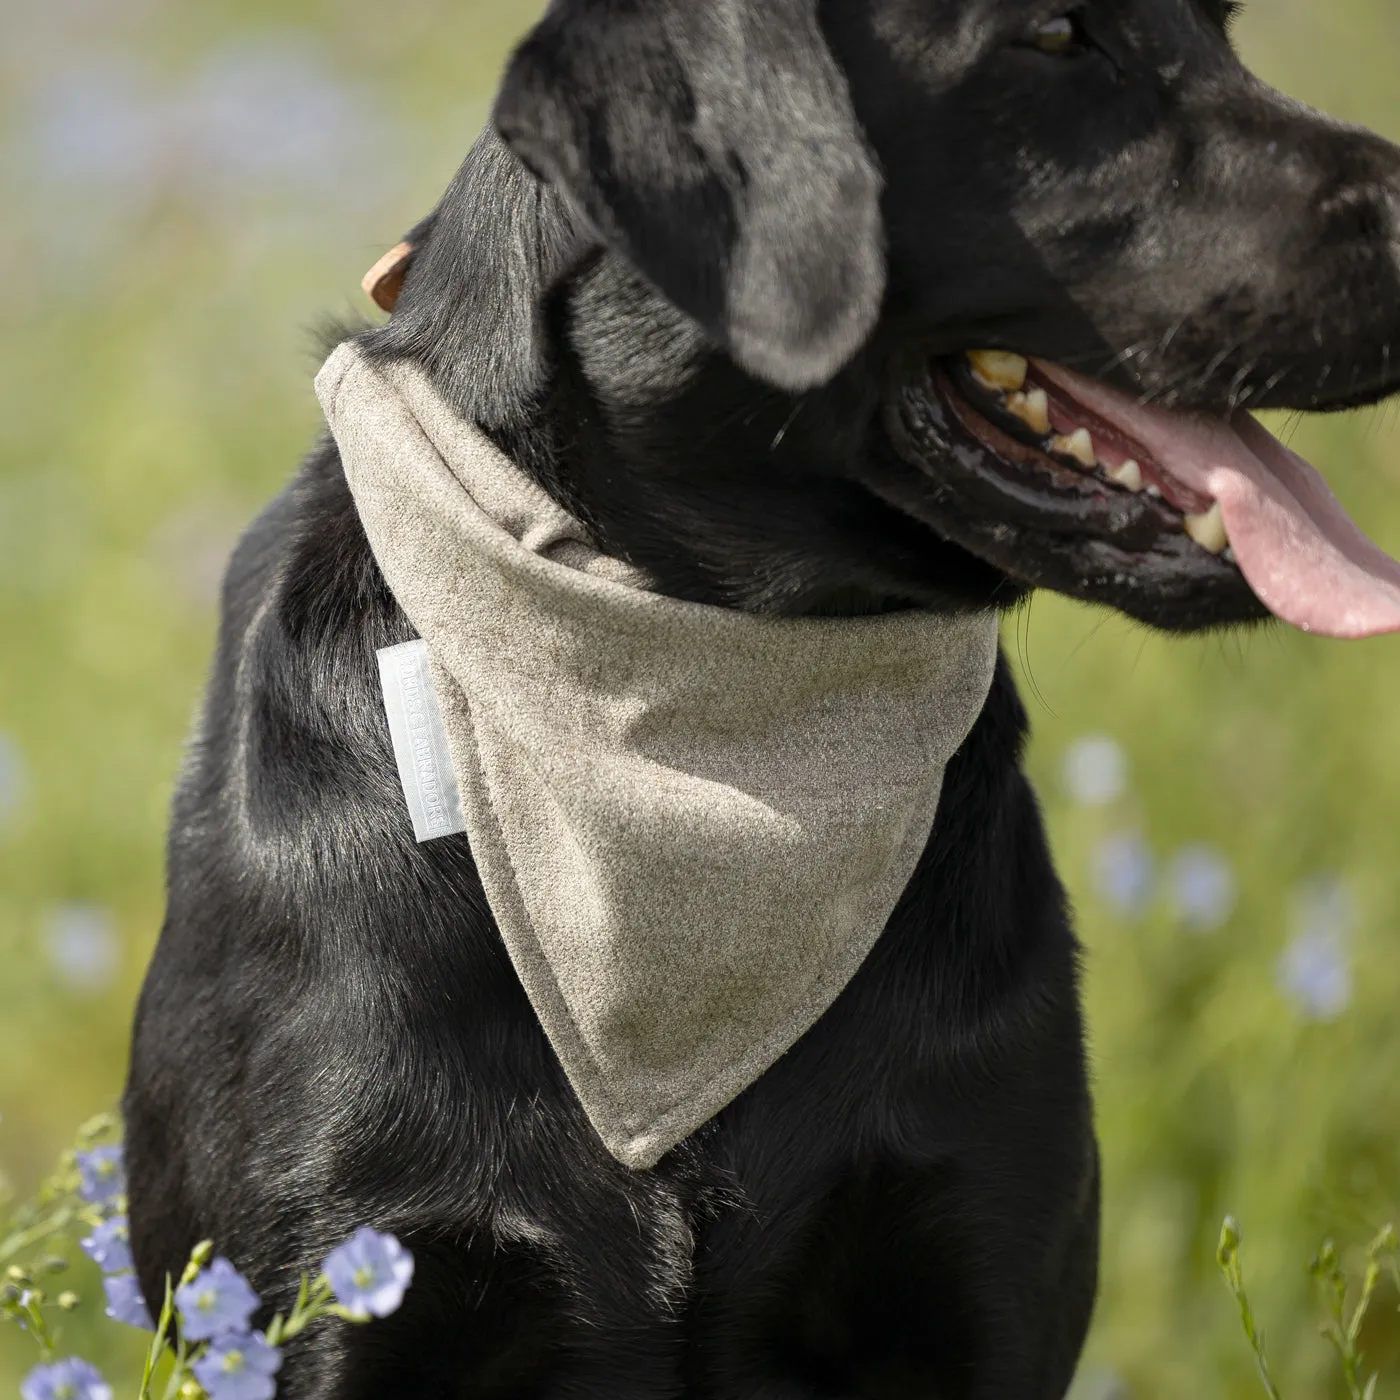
column 691, row 824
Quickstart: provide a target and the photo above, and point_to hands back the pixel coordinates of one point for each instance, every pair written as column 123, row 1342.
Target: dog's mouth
column 1179, row 518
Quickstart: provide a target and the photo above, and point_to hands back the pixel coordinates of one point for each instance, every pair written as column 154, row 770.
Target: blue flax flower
column 370, row 1273
column 102, row 1175
column 1203, row 888
column 1125, row 873
column 109, row 1246
column 239, row 1367
column 125, row 1303
column 214, row 1302
column 65, row 1380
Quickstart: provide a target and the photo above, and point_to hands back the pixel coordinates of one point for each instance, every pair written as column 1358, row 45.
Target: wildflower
column 102, row 1174
column 1124, row 872
column 1096, row 771
column 1315, row 971
column 1202, row 886
column 125, row 1303
column 215, row 1301
column 109, row 1246
column 370, row 1273
column 83, row 946
column 65, row 1380
column 239, row 1367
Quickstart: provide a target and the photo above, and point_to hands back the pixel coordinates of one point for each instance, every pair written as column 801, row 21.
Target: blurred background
column 189, row 189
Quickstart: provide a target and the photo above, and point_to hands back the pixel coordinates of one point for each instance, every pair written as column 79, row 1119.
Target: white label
column 420, row 742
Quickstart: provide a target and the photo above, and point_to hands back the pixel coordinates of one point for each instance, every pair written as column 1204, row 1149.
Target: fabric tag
column 420, row 742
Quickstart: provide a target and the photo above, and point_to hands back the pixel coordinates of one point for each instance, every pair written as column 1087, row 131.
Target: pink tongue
column 1301, row 552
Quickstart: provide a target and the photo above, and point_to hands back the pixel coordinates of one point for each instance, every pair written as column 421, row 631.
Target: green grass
column 157, row 390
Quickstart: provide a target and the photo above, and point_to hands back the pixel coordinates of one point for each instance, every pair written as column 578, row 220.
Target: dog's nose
column 1359, row 198
column 1367, row 213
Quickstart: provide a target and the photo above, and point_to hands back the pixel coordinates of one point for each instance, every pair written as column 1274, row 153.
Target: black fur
column 683, row 286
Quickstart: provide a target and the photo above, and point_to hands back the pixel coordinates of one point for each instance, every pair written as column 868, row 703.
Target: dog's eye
column 1058, row 36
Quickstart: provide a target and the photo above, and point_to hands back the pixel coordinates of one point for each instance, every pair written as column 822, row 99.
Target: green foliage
column 37, row 1239
column 1343, row 1326
column 214, row 1353
column 157, row 391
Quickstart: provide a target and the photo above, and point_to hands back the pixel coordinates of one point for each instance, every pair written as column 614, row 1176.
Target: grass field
column 193, row 187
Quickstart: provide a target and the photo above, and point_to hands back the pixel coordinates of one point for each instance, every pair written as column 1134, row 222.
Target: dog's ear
column 715, row 146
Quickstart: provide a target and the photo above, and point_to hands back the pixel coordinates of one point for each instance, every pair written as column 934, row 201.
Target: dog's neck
column 724, row 490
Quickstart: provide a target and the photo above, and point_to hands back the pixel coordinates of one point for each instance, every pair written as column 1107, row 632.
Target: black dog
column 710, row 279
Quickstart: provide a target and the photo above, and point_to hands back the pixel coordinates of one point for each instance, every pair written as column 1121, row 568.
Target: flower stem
column 23, row 1240
column 1228, row 1257
column 157, row 1347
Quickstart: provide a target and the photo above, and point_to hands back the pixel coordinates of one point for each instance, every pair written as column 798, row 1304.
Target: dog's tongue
column 1302, row 553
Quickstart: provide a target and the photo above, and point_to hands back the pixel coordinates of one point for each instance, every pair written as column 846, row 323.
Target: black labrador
column 710, row 278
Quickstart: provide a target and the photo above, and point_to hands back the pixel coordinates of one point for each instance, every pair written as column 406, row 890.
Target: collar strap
column 384, row 281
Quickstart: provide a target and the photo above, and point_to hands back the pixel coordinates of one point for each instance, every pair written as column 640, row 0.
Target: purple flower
column 215, row 1302
column 1316, row 968
column 370, row 1273
column 102, row 1175
column 84, row 947
column 1315, row 971
column 239, row 1367
column 1125, row 873
column 65, row 1380
column 125, row 1303
column 1203, row 888
column 109, row 1246
column 1096, row 771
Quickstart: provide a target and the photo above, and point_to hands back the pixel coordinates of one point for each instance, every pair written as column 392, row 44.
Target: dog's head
column 1154, row 239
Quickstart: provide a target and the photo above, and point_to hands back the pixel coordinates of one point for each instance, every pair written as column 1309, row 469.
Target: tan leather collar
column 384, row 281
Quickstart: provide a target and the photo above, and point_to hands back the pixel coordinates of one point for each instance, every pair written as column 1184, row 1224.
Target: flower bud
column 68, row 1300
column 101, row 1126
column 1229, row 1241
column 202, row 1253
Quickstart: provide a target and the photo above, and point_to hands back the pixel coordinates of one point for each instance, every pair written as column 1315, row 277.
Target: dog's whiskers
column 791, row 419
column 1238, row 391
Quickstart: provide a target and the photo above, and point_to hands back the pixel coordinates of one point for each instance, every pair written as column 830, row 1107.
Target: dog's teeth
column 1079, row 445
column 1129, row 475
column 1032, row 409
column 1208, row 530
column 999, row 369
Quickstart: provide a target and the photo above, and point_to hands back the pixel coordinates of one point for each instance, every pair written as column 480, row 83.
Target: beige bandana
column 691, row 824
